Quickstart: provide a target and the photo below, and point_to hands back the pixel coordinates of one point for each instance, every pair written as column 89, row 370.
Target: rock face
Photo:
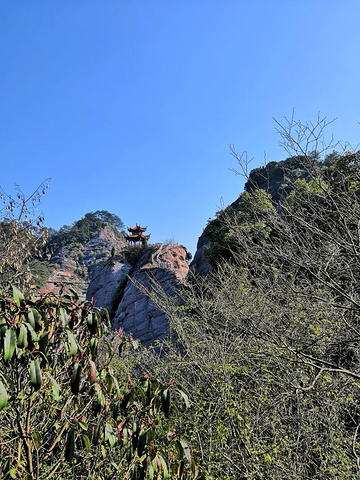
column 131, row 309
column 72, row 267
column 68, row 271
column 165, row 266
column 200, row 263
column 106, row 284
column 113, row 275
column 99, row 247
column 278, row 178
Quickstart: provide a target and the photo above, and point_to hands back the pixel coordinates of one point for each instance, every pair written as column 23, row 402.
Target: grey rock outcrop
column 278, row 178
column 165, row 267
column 131, row 308
column 200, row 263
column 73, row 266
column 98, row 249
column 106, row 284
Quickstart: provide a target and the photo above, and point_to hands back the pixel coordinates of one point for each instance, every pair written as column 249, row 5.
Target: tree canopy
column 84, row 229
column 268, row 343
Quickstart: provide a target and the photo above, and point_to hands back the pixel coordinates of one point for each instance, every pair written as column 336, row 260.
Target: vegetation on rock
column 266, row 348
column 268, row 344
column 84, row 229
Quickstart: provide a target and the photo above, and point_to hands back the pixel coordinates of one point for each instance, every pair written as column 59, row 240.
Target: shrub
column 63, row 411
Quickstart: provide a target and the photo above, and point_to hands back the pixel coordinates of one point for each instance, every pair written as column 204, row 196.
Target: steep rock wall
column 200, row 263
column 117, row 286
column 137, row 314
column 73, row 266
column 106, row 284
column 105, row 270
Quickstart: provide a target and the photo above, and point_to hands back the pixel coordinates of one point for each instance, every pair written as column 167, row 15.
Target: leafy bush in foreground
column 63, row 412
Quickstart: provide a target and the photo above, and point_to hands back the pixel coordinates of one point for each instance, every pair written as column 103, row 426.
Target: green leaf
column 109, row 435
column 17, row 296
column 103, row 451
column 43, row 341
column 63, row 316
column 31, row 318
column 37, row 440
column 33, row 334
column 10, row 341
column 55, row 389
column 92, row 322
column 22, row 340
column 3, row 396
column 87, row 442
column 76, row 378
column 35, row 374
column 106, row 313
column 73, row 346
column 37, row 318
column 83, row 426
column 163, row 466
column 142, row 442
column 93, row 347
column 12, row 473
column 34, row 318
column 186, row 450
column 154, row 465
column 96, row 433
column 150, row 472
column 70, row 446
column 109, row 381
column 115, row 465
column 184, row 396
column 165, row 401
column 3, row 326
column 99, row 394
column 129, row 451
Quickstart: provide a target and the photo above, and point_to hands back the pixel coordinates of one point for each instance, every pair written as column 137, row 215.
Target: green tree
column 22, row 235
column 267, row 345
column 63, row 412
column 84, row 229
column 110, row 218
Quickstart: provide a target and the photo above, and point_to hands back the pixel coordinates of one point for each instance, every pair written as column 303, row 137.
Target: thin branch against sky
column 130, row 106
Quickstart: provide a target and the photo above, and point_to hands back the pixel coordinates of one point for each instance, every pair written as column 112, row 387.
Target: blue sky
column 129, row 106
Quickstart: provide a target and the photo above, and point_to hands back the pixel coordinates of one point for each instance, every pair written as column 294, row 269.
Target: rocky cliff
column 72, row 265
column 275, row 178
column 114, row 275
column 200, row 263
column 278, row 178
column 119, row 286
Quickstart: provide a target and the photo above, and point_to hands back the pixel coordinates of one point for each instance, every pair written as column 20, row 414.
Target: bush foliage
column 66, row 413
column 84, row 229
column 266, row 348
column 268, row 344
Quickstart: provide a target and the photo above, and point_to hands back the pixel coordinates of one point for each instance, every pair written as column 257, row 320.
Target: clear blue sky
column 130, row 105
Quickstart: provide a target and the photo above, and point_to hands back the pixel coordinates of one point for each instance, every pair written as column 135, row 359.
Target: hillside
column 261, row 338
column 96, row 262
